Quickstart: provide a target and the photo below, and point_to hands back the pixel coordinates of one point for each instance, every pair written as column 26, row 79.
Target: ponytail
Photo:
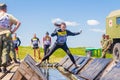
column 58, row 25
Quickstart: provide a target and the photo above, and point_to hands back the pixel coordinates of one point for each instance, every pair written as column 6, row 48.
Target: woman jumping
column 61, row 34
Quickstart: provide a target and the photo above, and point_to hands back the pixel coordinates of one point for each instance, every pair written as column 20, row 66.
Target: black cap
column 3, row 6
column 47, row 33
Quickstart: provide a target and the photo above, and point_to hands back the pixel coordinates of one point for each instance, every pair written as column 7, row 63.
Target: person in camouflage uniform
column 6, row 22
column 106, row 45
column 103, row 39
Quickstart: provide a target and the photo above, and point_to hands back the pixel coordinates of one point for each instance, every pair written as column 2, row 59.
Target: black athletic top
column 62, row 35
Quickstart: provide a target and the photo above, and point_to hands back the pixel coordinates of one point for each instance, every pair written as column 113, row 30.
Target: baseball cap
column 3, row 5
column 47, row 33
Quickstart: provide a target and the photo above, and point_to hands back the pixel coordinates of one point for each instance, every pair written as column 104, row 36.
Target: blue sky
column 37, row 16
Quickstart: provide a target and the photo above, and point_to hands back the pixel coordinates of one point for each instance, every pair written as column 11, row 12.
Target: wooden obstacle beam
column 106, row 70
column 66, row 74
column 69, row 66
column 8, row 75
column 63, row 60
column 113, row 74
column 68, row 63
column 82, row 61
column 91, row 71
column 80, row 78
column 28, row 70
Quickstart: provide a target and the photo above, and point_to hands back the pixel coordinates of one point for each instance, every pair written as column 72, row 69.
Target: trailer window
column 118, row 20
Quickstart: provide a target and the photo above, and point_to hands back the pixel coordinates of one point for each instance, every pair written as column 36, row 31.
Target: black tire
column 116, row 52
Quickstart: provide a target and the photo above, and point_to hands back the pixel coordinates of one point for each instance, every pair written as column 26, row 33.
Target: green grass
column 57, row 55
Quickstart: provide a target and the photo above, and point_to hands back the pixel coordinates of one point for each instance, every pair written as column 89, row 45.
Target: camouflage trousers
column 6, row 46
column 104, row 51
column 0, row 50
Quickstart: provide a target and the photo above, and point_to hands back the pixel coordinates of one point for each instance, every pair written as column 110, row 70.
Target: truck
column 113, row 30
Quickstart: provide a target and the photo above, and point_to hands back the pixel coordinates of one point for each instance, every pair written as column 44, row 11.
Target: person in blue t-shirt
column 35, row 44
column 16, row 43
column 46, row 44
column 61, row 34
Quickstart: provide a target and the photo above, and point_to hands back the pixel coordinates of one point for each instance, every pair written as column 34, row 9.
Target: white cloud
column 68, row 23
column 93, row 22
column 98, row 30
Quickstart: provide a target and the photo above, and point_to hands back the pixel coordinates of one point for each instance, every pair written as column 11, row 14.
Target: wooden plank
column 25, row 70
column 31, row 62
column 67, row 74
column 9, row 75
column 107, row 69
column 22, row 72
column 69, row 63
column 81, row 61
column 35, row 77
column 113, row 74
column 17, row 76
column 14, row 69
column 2, row 75
column 28, row 69
column 63, row 60
column 95, row 67
column 79, row 78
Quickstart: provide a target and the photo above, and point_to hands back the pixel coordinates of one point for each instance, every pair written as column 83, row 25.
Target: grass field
column 57, row 55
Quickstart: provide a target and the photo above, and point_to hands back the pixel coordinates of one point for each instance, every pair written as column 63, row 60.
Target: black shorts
column 35, row 47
